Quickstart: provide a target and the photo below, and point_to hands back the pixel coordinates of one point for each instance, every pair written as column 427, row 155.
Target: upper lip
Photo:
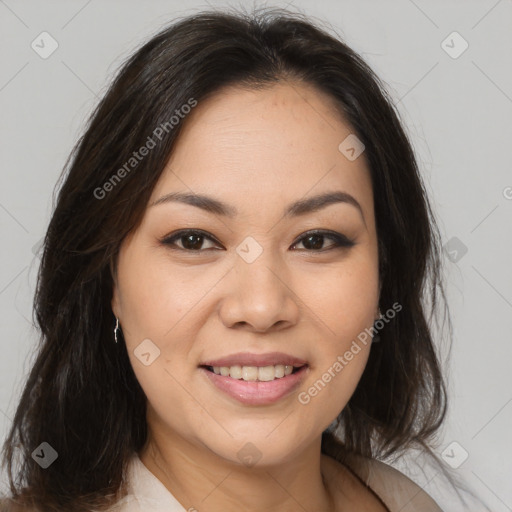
column 250, row 359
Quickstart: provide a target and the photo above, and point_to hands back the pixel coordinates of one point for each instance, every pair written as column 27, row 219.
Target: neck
column 201, row 480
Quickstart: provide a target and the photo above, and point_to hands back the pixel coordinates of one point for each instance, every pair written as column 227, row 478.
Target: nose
column 259, row 297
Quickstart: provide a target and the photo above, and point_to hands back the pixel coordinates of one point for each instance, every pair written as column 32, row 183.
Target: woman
column 230, row 295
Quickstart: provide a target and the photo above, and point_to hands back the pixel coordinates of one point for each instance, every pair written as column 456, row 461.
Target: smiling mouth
column 256, row 373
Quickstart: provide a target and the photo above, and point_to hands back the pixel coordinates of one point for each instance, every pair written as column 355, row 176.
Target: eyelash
column 340, row 241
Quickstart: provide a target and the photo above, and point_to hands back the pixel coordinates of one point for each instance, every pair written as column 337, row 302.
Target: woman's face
column 255, row 291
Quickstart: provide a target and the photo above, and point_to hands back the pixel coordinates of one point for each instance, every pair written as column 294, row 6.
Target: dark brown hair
column 81, row 395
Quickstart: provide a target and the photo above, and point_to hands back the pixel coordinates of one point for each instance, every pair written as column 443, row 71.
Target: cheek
column 333, row 382
column 167, row 393
column 343, row 303
column 343, row 298
column 155, row 295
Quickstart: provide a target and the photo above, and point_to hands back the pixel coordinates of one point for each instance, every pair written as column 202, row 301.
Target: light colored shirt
column 145, row 492
column 400, row 494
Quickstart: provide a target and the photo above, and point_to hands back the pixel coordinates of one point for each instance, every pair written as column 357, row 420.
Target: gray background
column 457, row 111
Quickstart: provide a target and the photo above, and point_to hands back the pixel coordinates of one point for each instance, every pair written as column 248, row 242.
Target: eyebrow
column 298, row 208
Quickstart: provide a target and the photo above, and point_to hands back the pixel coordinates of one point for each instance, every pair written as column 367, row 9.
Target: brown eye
column 191, row 240
column 314, row 241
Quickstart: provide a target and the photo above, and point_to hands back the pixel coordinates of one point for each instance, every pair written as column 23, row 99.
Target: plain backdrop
column 454, row 94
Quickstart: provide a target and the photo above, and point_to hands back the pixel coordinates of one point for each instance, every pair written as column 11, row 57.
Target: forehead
column 256, row 147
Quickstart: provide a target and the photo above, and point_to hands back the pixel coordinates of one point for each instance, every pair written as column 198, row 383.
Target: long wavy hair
column 81, row 395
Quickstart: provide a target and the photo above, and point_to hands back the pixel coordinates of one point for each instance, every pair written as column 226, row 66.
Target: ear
column 115, row 302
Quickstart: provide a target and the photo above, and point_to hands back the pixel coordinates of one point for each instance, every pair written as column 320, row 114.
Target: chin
column 257, row 449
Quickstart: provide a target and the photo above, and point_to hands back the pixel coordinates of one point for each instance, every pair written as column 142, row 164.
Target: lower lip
column 256, row 392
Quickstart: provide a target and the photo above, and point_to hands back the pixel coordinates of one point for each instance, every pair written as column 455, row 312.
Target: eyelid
column 340, row 241
column 168, row 239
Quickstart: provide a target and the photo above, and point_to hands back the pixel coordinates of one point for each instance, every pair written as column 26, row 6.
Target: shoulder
column 8, row 505
column 397, row 490
column 127, row 504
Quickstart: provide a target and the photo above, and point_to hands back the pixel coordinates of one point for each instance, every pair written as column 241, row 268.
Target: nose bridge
column 259, row 295
column 258, row 275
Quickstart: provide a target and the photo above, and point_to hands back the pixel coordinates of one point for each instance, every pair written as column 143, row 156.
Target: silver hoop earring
column 116, row 328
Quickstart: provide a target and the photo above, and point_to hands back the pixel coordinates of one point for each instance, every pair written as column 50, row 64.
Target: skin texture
column 257, row 151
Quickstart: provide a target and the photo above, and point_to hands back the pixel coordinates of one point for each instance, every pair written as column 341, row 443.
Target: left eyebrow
column 298, row 208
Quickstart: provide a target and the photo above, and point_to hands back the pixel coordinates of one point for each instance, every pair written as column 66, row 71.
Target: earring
column 116, row 328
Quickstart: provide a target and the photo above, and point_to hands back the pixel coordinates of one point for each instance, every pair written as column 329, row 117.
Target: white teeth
column 266, row 373
column 235, row 372
column 255, row 373
column 279, row 369
column 249, row 373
